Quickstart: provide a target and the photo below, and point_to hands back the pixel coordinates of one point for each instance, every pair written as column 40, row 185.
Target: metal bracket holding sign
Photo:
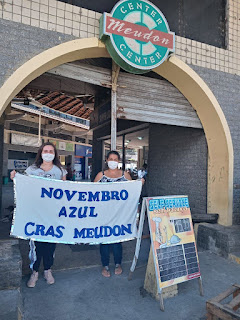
column 172, row 240
column 138, row 39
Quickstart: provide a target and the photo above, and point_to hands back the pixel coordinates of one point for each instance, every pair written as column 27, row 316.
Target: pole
column 123, row 153
column 115, row 73
column 139, row 238
column 200, row 286
column 39, row 129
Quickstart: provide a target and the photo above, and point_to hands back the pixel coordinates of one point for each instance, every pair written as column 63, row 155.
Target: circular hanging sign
column 136, row 35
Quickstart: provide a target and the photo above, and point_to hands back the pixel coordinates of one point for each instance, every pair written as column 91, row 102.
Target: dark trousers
column 45, row 251
column 105, row 253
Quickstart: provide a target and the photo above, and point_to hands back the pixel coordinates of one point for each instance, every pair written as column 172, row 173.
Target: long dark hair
column 38, row 161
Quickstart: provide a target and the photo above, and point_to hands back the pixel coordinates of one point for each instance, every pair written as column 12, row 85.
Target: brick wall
column 218, row 239
column 225, row 87
column 78, row 22
column 19, row 43
column 177, row 164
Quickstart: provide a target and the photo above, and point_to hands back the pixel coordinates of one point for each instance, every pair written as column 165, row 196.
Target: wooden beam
column 50, row 82
column 85, row 73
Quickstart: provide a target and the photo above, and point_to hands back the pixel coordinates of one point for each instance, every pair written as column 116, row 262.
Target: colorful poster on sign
column 173, row 240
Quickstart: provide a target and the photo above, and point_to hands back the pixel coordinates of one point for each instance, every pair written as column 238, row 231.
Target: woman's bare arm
column 127, row 175
column 98, row 176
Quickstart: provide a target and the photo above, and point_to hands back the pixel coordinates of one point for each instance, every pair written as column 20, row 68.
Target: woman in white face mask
column 47, row 165
column 112, row 174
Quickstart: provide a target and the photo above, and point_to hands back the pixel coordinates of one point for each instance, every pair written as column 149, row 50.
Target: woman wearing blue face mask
column 112, row 174
column 47, row 165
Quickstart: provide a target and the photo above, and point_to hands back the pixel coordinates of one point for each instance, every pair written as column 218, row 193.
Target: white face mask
column 48, row 157
column 112, row 164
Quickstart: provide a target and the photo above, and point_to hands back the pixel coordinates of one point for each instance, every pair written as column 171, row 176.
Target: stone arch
column 220, row 149
column 218, row 136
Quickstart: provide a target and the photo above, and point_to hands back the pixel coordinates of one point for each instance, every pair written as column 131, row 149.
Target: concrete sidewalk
column 83, row 294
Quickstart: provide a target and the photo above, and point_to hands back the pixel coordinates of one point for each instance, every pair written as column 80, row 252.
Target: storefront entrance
column 220, row 152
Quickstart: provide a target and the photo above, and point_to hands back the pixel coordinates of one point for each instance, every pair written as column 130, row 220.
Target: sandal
column 106, row 272
column 118, row 269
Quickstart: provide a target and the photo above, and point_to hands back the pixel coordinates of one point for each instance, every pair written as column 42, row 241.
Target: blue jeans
column 45, row 251
column 105, row 253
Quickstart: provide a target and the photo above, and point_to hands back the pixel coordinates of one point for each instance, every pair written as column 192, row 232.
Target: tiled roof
column 75, row 106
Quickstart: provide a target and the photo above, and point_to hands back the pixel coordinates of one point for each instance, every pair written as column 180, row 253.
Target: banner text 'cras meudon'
column 70, row 212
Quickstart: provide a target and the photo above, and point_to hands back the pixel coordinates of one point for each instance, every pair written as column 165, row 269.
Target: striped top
column 108, row 179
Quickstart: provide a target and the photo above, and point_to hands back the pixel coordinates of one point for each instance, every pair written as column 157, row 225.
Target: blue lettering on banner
column 50, row 232
column 124, row 194
column 106, row 196
column 98, row 234
column 107, row 231
column 73, row 210
column 83, row 212
column 79, row 234
column 93, row 197
column 126, row 229
column 114, row 195
column 108, row 211
column 58, row 194
column 39, row 229
column 84, row 196
column 70, row 196
column 103, row 231
column 59, row 231
column 116, row 231
column 63, row 212
column 91, row 214
column 46, row 192
column 90, row 232
column 26, row 229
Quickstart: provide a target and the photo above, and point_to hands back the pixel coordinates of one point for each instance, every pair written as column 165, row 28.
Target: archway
column 220, row 149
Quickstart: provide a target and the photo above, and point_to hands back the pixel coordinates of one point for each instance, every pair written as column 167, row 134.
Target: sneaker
column 33, row 279
column 48, row 276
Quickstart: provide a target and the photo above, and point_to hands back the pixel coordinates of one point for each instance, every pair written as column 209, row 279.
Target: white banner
column 72, row 212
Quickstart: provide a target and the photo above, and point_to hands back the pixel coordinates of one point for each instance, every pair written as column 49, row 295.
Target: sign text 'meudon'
column 137, row 32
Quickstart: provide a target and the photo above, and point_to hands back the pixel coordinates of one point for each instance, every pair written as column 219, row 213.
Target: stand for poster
column 136, row 255
column 139, row 239
column 200, row 286
column 161, row 302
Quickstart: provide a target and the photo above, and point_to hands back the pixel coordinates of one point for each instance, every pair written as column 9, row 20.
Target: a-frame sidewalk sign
column 172, row 241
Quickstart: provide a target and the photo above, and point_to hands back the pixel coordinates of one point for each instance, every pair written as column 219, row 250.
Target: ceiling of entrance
column 135, row 140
